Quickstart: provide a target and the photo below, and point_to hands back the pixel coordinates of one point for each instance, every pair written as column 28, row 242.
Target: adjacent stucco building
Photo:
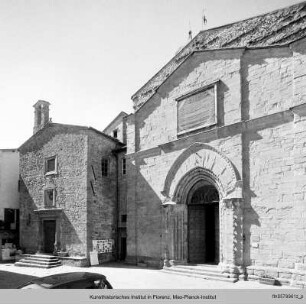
column 216, row 153
column 9, row 197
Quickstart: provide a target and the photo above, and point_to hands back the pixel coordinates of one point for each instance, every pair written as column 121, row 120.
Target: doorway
column 203, row 224
column 49, row 235
column 122, row 248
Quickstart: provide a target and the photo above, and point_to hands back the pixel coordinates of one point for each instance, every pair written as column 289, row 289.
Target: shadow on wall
column 28, row 221
column 69, row 240
column 144, row 213
column 259, row 59
column 251, row 217
column 29, row 226
column 250, row 132
column 142, row 115
column 222, row 90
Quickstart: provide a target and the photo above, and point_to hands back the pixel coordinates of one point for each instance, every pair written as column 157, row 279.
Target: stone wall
column 130, row 134
column 276, row 224
column 122, row 186
column 261, row 123
column 156, row 121
column 70, row 184
column 299, row 63
column 268, row 81
column 146, row 176
column 102, row 193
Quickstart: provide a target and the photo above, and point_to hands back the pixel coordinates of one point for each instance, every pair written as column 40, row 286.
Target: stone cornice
column 258, row 123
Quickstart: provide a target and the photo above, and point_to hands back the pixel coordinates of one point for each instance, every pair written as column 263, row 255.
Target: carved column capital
column 232, row 203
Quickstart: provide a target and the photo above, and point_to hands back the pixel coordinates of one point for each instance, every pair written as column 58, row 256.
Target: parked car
column 70, row 280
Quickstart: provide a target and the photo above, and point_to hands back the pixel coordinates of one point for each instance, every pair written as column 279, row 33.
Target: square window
column 50, row 198
column 51, row 165
column 197, row 109
column 104, row 166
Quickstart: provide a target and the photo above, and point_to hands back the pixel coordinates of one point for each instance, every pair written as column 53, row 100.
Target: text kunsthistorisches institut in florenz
column 209, row 169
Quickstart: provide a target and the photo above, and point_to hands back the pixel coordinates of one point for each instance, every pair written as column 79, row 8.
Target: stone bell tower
column 41, row 114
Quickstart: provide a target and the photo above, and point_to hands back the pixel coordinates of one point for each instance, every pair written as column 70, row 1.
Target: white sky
column 88, row 57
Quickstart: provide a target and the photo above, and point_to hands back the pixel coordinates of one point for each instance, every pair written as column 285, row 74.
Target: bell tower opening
column 203, row 224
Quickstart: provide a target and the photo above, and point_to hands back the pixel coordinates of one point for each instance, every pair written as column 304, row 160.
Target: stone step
column 22, row 264
column 200, row 272
column 34, row 258
column 39, row 261
column 205, row 272
column 43, row 257
column 32, row 261
column 282, row 281
column 202, row 276
column 209, row 268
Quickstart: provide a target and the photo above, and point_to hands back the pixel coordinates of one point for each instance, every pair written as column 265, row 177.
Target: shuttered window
column 197, row 109
column 104, row 166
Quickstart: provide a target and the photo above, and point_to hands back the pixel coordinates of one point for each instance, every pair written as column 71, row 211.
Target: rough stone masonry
column 253, row 154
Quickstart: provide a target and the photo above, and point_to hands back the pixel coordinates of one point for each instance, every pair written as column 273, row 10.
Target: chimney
column 41, row 114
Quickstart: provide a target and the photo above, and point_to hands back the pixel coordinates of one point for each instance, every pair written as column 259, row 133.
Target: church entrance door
column 49, row 235
column 203, row 224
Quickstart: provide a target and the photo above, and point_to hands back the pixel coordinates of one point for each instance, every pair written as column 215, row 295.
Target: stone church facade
column 216, row 153
column 209, row 169
column 68, row 189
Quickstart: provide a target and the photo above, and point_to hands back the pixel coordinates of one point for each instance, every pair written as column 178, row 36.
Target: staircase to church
column 207, row 272
column 39, row 261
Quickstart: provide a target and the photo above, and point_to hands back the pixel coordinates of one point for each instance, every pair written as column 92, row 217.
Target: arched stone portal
column 200, row 166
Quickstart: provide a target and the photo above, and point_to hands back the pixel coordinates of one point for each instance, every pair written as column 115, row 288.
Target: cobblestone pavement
column 123, row 276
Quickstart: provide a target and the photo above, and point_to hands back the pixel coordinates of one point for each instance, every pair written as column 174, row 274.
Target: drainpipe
column 117, row 207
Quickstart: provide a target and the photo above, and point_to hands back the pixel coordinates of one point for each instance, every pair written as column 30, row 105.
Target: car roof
column 63, row 278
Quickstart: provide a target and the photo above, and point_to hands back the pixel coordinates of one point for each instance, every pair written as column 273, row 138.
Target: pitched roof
column 119, row 116
column 279, row 27
column 72, row 127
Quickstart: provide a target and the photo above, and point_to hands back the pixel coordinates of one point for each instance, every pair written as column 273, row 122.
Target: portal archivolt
column 201, row 161
column 203, row 215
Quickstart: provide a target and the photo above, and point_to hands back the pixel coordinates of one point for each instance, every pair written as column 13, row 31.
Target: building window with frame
column 124, row 166
column 51, row 165
column 49, row 198
column 104, row 166
column 197, row 109
column 123, row 218
column 115, row 133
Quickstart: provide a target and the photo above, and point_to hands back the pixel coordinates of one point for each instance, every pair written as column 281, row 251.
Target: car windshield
column 33, row 286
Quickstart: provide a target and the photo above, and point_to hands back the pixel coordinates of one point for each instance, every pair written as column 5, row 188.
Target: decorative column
column 174, row 236
column 167, row 239
column 40, row 236
column 232, row 237
column 57, row 243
